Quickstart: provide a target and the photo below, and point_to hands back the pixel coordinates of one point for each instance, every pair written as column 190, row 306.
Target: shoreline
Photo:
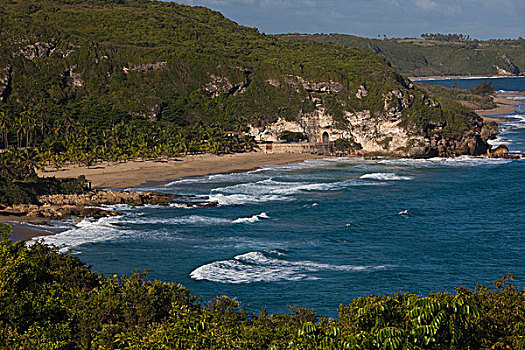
column 139, row 173
column 131, row 174
column 506, row 105
column 136, row 173
column 25, row 231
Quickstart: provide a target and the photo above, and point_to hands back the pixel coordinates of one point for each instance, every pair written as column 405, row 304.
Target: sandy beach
column 25, row 232
column 505, row 106
column 134, row 173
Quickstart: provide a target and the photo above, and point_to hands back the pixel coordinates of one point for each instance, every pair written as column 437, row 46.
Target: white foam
column 181, row 220
column 269, row 189
column 386, row 177
column 256, row 267
column 461, row 161
column 86, row 231
column 238, row 199
column 251, row 219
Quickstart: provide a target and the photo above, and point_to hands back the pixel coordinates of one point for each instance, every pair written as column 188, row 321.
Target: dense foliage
column 437, row 54
column 50, row 300
column 19, row 183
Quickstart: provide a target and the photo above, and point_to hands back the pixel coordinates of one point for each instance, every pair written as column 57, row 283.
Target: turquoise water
column 323, row 232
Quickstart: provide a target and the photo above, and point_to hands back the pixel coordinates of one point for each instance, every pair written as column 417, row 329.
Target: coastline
column 135, row 173
column 24, row 231
column 506, row 105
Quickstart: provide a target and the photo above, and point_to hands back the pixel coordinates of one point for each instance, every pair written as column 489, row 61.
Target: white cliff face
column 376, row 136
column 384, row 136
column 5, row 79
column 383, row 132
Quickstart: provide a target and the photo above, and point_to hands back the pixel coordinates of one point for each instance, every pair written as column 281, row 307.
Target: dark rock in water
column 476, row 146
column 194, row 201
column 501, row 151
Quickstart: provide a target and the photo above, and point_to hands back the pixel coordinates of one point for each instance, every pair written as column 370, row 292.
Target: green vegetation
column 454, row 38
column 484, row 88
column 478, row 98
column 20, row 185
column 51, row 300
column 436, row 54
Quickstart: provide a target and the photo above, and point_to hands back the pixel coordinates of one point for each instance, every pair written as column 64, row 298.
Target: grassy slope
column 196, row 43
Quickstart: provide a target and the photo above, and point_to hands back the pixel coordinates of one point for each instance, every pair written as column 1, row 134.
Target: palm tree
column 19, row 128
column 4, row 127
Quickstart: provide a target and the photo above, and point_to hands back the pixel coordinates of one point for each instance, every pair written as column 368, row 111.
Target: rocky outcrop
column 92, row 204
column 72, row 77
column 143, row 67
column 5, row 82
column 36, row 50
column 219, row 85
column 53, row 212
column 384, row 133
column 361, row 92
column 108, row 198
column 501, row 151
column 87, row 205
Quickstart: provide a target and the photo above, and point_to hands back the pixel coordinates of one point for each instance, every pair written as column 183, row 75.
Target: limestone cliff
column 390, row 131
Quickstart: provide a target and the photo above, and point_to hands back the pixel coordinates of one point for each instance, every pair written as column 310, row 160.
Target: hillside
column 115, row 80
column 418, row 57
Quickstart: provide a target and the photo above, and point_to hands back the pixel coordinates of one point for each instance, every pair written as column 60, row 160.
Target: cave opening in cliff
column 326, row 137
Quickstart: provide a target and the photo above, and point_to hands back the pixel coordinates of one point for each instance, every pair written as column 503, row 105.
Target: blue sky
column 482, row 19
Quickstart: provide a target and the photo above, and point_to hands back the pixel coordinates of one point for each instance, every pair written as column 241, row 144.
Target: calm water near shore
column 323, row 232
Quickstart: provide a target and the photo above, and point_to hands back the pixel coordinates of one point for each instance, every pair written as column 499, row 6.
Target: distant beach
column 134, row 173
column 506, row 104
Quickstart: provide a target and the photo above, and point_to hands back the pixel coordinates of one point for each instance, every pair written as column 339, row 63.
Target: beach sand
column 134, row 173
column 25, row 232
column 505, row 106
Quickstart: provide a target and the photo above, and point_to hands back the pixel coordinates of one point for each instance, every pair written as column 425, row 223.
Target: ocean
column 322, row 232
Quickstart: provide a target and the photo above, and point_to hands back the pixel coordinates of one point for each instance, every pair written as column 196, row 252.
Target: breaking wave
column 386, row 177
column 86, row 231
column 252, row 219
column 237, row 199
column 461, row 161
column 182, row 220
column 257, row 267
